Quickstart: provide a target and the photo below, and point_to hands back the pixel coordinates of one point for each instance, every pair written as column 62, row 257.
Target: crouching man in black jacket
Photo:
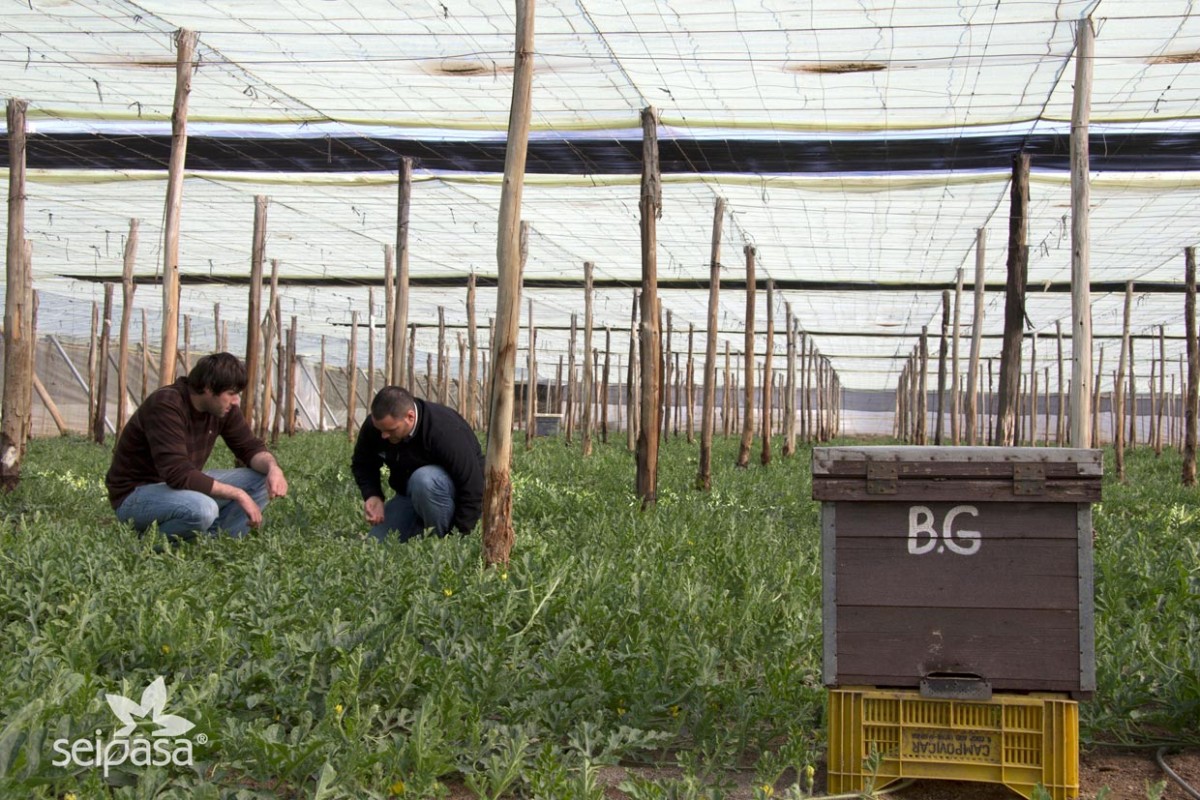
column 434, row 463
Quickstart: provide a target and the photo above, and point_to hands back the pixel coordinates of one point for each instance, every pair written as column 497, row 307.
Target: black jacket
column 442, row 438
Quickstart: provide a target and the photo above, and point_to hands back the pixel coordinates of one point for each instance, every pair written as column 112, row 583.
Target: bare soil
column 1126, row 774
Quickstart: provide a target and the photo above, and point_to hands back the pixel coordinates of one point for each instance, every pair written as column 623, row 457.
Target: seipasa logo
column 166, row 743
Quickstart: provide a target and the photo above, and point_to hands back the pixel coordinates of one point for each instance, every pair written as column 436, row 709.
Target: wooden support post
column 370, row 343
column 558, row 387
column 768, row 379
column 1095, row 422
column 666, row 381
column 571, row 399
column 1014, row 301
column 472, row 407
column 678, row 395
column 389, row 314
column 726, row 395
column 321, row 389
column 1193, row 369
column 708, row 412
column 690, row 378
column 290, row 413
column 1162, row 388
column 943, row 347
column 268, row 346
column 588, row 377
column 1081, row 303
column 218, row 346
column 531, row 383
column 101, row 380
column 1153, row 432
column 93, row 347
column 1132, row 405
column 187, row 343
column 254, row 314
column 922, row 389
column 352, row 378
column 403, row 369
column 743, row 458
column 185, row 42
column 1060, row 433
column 277, row 419
column 440, row 382
column 127, row 290
column 650, row 209
column 604, row 385
column 464, row 391
column 1119, row 388
column 630, row 372
column 955, row 382
column 410, row 368
column 1033, row 391
column 497, row 498
column 146, row 358
column 19, row 343
column 789, row 430
column 973, row 373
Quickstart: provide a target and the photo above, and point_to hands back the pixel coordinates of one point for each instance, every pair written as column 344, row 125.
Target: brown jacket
column 168, row 441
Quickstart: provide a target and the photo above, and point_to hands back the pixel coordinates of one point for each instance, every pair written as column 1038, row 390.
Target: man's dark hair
column 391, row 401
column 218, row 372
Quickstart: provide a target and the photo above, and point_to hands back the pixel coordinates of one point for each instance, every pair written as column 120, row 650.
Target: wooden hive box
column 958, row 570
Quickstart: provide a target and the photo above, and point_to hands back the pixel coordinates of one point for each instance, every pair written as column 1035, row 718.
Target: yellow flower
column 810, row 773
column 503, row 576
column 768, row 790
column 166, row 649
column 674, row 711
column 397, row 788
column 447, row 591
column 338, row 709
column 69, row 796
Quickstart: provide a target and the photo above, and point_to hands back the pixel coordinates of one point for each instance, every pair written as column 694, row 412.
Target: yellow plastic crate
column 1017, row 740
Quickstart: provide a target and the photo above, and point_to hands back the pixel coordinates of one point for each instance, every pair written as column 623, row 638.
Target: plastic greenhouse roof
column 858, row 147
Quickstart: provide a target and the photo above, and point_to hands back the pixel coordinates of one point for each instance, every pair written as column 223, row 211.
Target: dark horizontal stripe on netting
column 1147, row 152
column 728, row 284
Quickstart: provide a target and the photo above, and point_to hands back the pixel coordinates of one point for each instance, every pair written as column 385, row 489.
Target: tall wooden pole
column 767, row 384
column 666, row 381
column 321, row 389
column 127, row 289
column 18, row 311
column 943, row 347
column 691, row 385
column 1014, row 301
column 389, row 313
column 102, row 367
column 1119, row 388
column 570, row 410
column 973, row 373
column 726, row 395
column 923, row 389
column 588, row 377
column 289, row 417
column 264, row 416
column 708, row 411
column 531, row 383
column 1081, row 303
column 464, row 391
column 258, row 253
column 402, row 368
column 743, row 458
column 473, row 356
column 1193, row 369
column 1096, row 396
column 1060, row 433
column 604, row 385
column 370, row 343
column 146, row 360
column 1132, row 405
column 185, row 42
column 650, row 209
column 441, row 357
column 1162, row 388
column 93, row 346
column 955, row 382
column 1033, row 391
column 630, row 372
column 352, row 378
column 789, row 406
column 497, row 498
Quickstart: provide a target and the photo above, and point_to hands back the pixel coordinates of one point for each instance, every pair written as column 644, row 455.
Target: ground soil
column 1126, row 774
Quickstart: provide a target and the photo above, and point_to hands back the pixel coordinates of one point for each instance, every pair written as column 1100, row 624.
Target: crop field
column 312, row 663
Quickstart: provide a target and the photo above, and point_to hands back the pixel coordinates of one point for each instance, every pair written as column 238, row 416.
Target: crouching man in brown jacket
column 157, row 468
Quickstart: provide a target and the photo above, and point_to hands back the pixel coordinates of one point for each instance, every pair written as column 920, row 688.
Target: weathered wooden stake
column 1014, row 301
column 146, row 359
column 370, row 342
column 403, row 369
column 768, row 381
column 1119, row 388
column 471, row 414
column 588, row 377
column 1033, row 391
column 321, row 389
column 1193, row 369
column 1162, row 387
column 604, row 385
column 102, row 367
column 973, row 369
column 127, row 290
column 650, row 209
column 1081, row 304
column 943, row 347
column 1096, row 397
column 352, row 377
column 254, row 313
column 531, row 384
column 630, row 372
column 743, row 459
column 389, row 314
column 955, row 393
column 93, row 346
column 17, row 413
column 691, row 386
column 185, row 42
column 570, row 411
column 289, row 420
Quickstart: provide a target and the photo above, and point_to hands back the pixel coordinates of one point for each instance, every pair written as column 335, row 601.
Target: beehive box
column 958, row 570
column 547, row 424
column 1021, row 741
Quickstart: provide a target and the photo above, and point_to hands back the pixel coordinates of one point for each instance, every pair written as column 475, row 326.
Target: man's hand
column 265, row 463
column 253, row 512
column 277, row 484
column 373, row 508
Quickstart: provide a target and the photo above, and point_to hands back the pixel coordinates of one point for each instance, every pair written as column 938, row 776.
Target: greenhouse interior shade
column 864, row 150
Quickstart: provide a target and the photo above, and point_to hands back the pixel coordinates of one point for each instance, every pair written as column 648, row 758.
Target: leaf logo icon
column 154, row 699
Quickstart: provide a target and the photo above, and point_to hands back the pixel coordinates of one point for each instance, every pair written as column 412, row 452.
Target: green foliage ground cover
column 317, row 664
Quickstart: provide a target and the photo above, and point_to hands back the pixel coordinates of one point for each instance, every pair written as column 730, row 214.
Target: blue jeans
column 428, row 504
column 182, row 513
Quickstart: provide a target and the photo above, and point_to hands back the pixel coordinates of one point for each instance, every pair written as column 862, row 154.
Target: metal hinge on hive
column 1029, row 479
